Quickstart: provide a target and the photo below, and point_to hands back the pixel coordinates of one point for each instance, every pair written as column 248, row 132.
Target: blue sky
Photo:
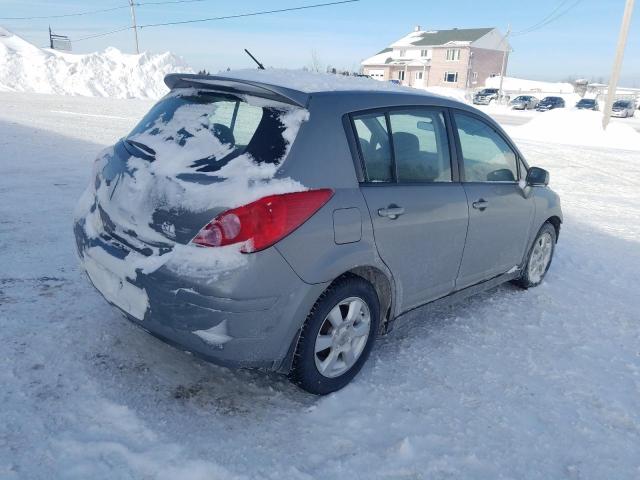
column 581, row 43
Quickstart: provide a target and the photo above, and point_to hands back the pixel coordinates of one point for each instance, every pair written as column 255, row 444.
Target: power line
column 540, row 22
column 167, row 2
column 77, row 14
column 104, row 34
column 252, row 14
column 549, row 18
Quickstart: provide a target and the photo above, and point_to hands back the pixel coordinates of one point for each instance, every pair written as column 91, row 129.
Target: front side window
column 373, row 139
column 451, row 77
column 486, row 156
column 420, row 146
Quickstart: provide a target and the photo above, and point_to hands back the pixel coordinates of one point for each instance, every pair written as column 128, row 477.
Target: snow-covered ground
column 25, row 67
column 540, row 384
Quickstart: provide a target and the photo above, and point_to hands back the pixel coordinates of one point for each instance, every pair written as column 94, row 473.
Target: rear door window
column 373, row 140
column 420, row 146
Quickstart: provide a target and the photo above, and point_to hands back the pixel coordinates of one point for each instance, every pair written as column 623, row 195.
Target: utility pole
column 617, row 63
column 133, row 23
column 504, row 60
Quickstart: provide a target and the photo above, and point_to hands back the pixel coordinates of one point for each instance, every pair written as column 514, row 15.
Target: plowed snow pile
column 27, row 68
column 577, row 127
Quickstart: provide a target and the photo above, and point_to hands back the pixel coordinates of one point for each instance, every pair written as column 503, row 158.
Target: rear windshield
column 586, row 102
column 622, row 103
column 210, row 130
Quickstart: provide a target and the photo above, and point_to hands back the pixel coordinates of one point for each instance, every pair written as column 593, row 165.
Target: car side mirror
column 537, row 176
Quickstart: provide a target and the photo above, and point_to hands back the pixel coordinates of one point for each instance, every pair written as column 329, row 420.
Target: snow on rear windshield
column 211, row 129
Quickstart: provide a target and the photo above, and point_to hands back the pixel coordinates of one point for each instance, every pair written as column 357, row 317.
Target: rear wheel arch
column 384, row 289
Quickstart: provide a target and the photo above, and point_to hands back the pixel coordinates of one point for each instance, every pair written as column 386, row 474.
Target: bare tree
column 316, row 64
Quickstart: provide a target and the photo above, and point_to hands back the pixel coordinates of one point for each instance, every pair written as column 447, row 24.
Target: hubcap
column 540, row 257
column 342, row 337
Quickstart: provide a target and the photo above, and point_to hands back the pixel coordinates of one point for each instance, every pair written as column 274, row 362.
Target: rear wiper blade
column 140, row 149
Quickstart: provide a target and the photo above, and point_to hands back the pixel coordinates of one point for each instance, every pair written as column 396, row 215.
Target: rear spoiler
column 237, row 86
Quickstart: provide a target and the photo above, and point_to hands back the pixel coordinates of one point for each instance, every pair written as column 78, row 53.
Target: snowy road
column 514, row 118
column 543, row 384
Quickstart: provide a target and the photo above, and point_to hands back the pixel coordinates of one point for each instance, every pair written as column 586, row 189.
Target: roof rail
column 237, row 86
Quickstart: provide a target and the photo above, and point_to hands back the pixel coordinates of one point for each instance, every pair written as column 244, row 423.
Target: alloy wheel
column 540, row 257
column 342, row 337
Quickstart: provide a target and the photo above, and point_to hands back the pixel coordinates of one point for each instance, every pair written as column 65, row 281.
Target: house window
column 400, row 74
column 474, row 76
column 453, row 54
column 403, row 52
column 424, row 53
column 450, row 77
column 419, row 75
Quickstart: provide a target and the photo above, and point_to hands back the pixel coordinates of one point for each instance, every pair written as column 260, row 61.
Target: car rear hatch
column 202, row 149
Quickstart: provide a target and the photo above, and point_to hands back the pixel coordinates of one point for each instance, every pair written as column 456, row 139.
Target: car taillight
column 264, row 222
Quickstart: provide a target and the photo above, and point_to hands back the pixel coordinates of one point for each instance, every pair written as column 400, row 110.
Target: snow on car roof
column 311, row 82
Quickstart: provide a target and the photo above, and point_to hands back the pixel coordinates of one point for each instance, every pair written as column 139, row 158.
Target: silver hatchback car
column 259, row 225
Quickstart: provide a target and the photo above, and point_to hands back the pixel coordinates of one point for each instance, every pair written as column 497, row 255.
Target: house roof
column 429, row 38
column 442, row 37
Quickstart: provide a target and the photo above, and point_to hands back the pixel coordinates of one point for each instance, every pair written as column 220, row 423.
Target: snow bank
column 458, row 94
column 577, row 127
column 27, row 68
column 521, row 85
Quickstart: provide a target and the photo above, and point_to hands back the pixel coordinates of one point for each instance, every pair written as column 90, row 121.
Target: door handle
column 480, row 204
column 392, row 211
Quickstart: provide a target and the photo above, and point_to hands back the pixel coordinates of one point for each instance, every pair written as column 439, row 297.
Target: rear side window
column 208, row 130
column 420, row 146
column 486, row 156
column 414, row 149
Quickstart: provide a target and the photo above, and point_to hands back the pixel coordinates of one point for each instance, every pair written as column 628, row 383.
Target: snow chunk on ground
column 577, row 127
column 28, row 68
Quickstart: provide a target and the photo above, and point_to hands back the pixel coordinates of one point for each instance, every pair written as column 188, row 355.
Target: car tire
column 539, row 258
column 335, row 342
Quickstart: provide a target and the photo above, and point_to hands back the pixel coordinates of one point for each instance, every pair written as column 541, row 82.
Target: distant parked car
column 524, row 102
column 222, row 226
column 588, row 104
column 549, row 103
column 622, row 108
column 395, row 82
column 485, row 96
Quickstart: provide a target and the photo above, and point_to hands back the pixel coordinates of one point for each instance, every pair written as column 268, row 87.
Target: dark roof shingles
column 441, row 37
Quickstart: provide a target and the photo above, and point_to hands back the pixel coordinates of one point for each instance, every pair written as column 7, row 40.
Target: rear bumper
column 482, row 101
column 246, row 316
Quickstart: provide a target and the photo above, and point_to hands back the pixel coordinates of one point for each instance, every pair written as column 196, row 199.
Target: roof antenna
column 260, row 66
